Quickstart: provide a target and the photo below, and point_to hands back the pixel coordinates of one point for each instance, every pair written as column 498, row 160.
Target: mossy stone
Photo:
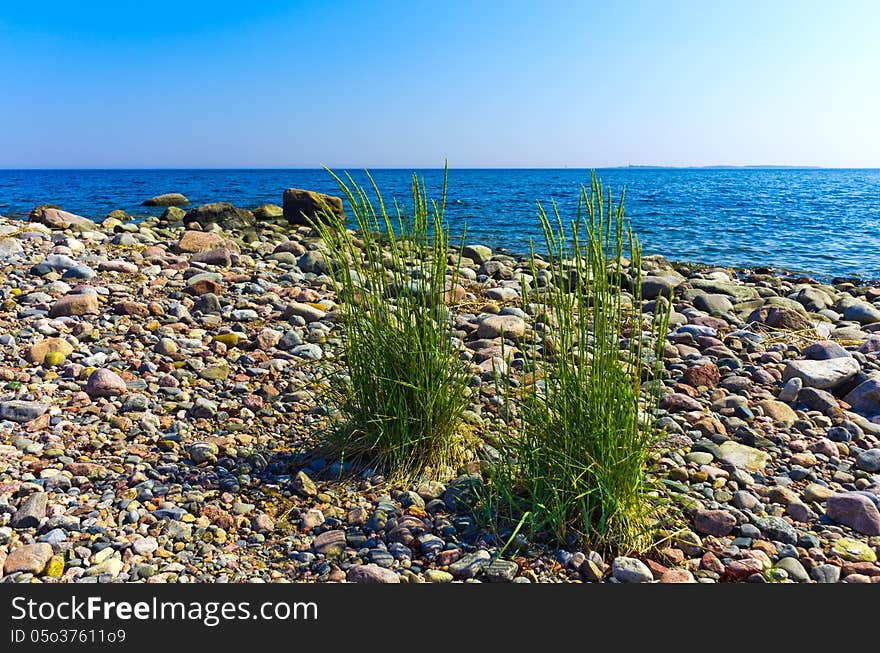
column 53, row 358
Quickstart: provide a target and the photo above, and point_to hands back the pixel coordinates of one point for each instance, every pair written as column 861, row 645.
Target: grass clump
column 406, row 384
column 574, row 465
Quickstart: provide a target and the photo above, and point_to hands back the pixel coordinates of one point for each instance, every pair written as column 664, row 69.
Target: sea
column 823, row 223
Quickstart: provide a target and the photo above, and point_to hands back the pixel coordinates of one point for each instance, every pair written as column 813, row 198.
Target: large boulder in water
column 167, row 199
column 300, row 206
column 223, row 214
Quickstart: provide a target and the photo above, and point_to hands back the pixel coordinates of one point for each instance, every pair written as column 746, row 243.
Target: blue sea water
column 823, row 222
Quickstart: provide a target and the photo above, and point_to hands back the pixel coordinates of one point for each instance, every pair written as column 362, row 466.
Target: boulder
column 31, row 558
column 199, row 241
column 39, row 350
column 223, row 214
column 55, row 218
column 854, row 510
column 865, row 398
column 268, row 212
column 20, row 411
column 75, row 304
column 300, row 206
column 779, row 317
column 713, row 304
column 822, row 374
column 494, row 326
column 862, row 312
column 173, row 214
column 167, row 199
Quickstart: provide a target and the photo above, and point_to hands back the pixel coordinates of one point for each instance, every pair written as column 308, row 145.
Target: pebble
column 31, row 512
column 371, row 573
column 631, row 570
column 470, row 565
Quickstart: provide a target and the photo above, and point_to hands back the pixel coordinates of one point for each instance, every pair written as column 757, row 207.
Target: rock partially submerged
column 300, row 206
column 167, row 199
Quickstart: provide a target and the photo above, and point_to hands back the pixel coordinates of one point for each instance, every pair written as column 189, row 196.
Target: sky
column 274, row 84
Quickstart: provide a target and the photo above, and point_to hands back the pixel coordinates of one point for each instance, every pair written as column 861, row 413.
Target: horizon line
column 398, row 167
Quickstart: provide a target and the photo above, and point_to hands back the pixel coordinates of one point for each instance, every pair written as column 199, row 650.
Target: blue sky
column 409, row 84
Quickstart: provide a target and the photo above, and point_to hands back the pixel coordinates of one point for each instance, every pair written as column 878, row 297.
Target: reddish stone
column 741, row 569
column 706, row 375
column 864, row 568
column 448, row 557
column 686, row 389
column 657, row 570
column 677, row 576
column 714, row 522
column 204, row 286
column 676, row 402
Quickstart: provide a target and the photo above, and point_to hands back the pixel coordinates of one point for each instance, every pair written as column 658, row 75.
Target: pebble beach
column 161, row 400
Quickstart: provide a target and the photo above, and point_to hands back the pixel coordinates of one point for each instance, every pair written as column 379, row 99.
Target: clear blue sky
column 407, row 84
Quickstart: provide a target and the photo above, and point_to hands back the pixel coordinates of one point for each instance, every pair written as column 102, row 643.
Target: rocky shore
column 160, row 394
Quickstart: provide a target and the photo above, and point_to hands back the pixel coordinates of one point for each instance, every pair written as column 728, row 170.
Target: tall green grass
column 407, row 383
column 575, row 464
